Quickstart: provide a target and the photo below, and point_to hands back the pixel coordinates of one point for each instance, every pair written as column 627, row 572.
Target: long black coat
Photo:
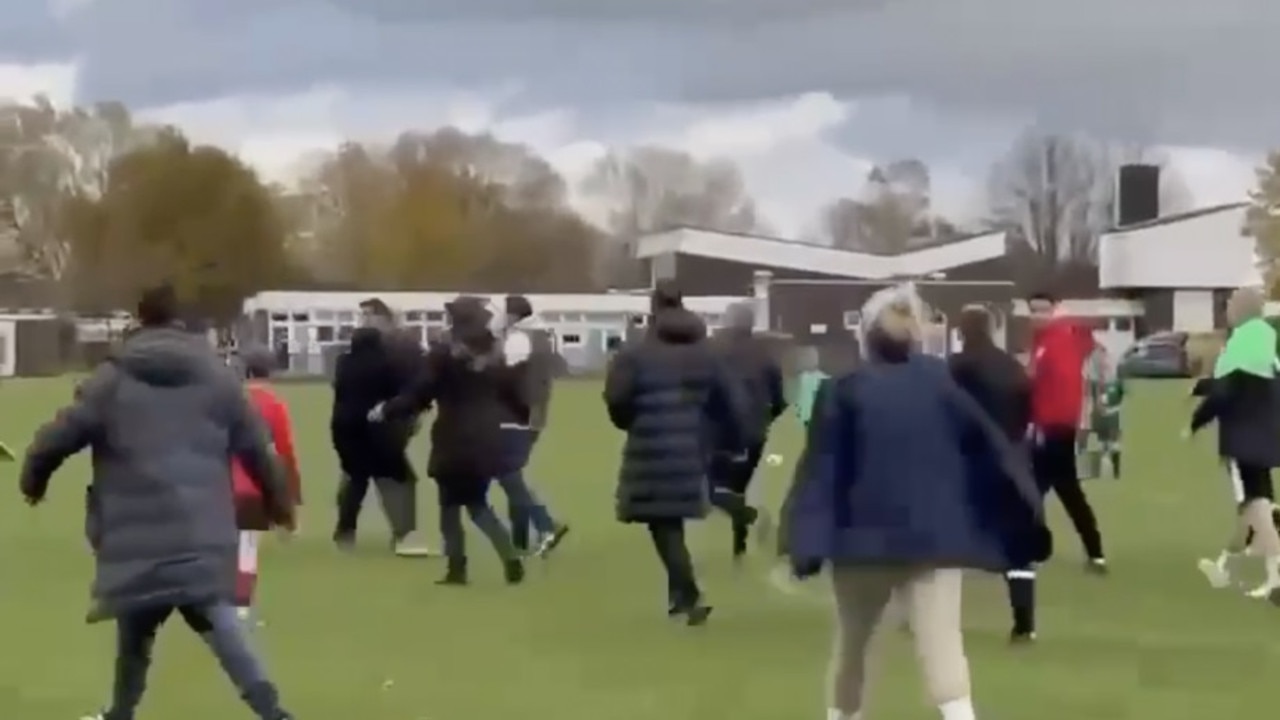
column 675, row 401
column 748, row 358
column 474, row 392
column 367, row 374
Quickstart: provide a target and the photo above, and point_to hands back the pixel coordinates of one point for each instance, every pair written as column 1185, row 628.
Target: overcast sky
column 804, row 94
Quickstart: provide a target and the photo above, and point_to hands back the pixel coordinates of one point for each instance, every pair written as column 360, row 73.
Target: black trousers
column 673, row 552
column 1053, row 458
column 731, row 476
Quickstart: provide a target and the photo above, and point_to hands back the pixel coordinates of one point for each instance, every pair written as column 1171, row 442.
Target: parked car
column 1162, row 355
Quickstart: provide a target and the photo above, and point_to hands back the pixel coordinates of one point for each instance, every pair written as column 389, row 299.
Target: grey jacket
column 529, row 350
column 163, row 418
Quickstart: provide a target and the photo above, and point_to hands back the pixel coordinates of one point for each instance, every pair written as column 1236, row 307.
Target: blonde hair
column 1244, row 304
column 894, row 311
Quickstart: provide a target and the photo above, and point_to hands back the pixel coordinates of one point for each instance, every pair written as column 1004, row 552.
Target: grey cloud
column 1150, row 70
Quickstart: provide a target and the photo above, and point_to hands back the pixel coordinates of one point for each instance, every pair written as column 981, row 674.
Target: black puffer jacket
column 671, row 396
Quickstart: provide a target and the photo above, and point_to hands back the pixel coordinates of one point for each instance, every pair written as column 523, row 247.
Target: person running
column 528, row 349
column 750, row 364
column 670, row 394
column 1244, row 399
column 999, row 384
column 251, row 512
column 1059, row 348
column 163, row 418
column 900, row 507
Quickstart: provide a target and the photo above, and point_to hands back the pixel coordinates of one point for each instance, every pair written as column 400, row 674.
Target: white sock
column 961, row 709
column 1224, row 558
column 1273, row 572
column 833, row 714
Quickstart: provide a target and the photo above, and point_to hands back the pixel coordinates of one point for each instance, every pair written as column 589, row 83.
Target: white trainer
column 410, row 546
column 1217, row 573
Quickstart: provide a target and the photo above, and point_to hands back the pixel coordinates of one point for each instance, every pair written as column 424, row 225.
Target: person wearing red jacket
column 251, row 515
column 1059, row 348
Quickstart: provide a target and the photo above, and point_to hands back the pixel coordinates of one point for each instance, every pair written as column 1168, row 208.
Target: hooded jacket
column 675, row 401
column 163, row 418
column 475, row 394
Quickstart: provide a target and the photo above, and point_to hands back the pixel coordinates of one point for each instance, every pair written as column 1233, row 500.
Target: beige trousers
column 930, row 599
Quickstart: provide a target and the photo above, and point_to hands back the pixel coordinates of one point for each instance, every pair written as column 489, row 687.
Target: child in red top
column 251, row 513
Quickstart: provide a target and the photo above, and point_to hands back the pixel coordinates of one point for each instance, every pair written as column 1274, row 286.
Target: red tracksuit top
column 1059, row 350
column 276, row 414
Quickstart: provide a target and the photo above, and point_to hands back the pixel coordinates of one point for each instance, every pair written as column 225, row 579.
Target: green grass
column 369, row 637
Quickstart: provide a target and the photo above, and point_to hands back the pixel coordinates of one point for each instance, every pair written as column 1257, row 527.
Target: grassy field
column 369, row 637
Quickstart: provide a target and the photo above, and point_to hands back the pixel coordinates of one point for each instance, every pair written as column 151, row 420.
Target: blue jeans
column 219, row 628
column 524, row 508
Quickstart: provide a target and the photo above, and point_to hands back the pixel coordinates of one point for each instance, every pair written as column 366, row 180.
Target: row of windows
column 437, row 317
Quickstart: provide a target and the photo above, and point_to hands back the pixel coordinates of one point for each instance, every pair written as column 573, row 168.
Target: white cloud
column 791, row 150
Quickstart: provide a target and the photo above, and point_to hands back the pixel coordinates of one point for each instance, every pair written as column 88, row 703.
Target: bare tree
column 648, row 189
column 1263, row 220
column 892, row 214
column 1057, row 192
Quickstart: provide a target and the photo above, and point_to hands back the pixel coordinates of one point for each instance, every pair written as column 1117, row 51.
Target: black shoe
column 513, row 571
column 455, row 573
column 344, row 539
column 551, row 541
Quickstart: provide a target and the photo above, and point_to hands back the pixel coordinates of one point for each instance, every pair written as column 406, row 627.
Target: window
column 435, row 316
column 323, row 315
column 344, row 332
column 414, row 316
column 603, row 318
column 1124, row 324
column 324, row 333
column 301, row 317
column 852, row 319
column 346, row 316
column 279, row 317
column 571, row 340
column 640, row 321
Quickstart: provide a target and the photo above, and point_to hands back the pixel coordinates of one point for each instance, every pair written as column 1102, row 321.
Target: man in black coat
column 364, row 377
column 751, row 364
column 398, row 495
column 163, row 418
column 475, row 393
column 671, row 396
column 999, row 384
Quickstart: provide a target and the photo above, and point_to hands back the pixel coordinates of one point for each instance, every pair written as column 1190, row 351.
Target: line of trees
column 97, row 204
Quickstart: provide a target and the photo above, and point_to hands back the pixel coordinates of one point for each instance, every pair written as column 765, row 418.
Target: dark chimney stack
column 1137, row 194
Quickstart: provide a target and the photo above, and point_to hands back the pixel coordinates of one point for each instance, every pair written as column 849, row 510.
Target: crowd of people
column 914, row 468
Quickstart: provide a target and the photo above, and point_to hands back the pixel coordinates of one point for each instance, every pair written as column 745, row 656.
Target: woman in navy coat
column 909, row 485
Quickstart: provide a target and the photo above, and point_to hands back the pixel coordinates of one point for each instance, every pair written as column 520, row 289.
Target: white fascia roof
column 789, row 255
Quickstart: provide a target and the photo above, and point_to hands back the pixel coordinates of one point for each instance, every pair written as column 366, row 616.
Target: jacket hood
column 167, row 357
column 679, row 326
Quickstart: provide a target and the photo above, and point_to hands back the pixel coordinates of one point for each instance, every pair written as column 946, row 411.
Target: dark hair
column 666, row 296
column 376, row 306
column 519, row 306
column 1044, row 295
column 158, row 306
column 974, row 325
